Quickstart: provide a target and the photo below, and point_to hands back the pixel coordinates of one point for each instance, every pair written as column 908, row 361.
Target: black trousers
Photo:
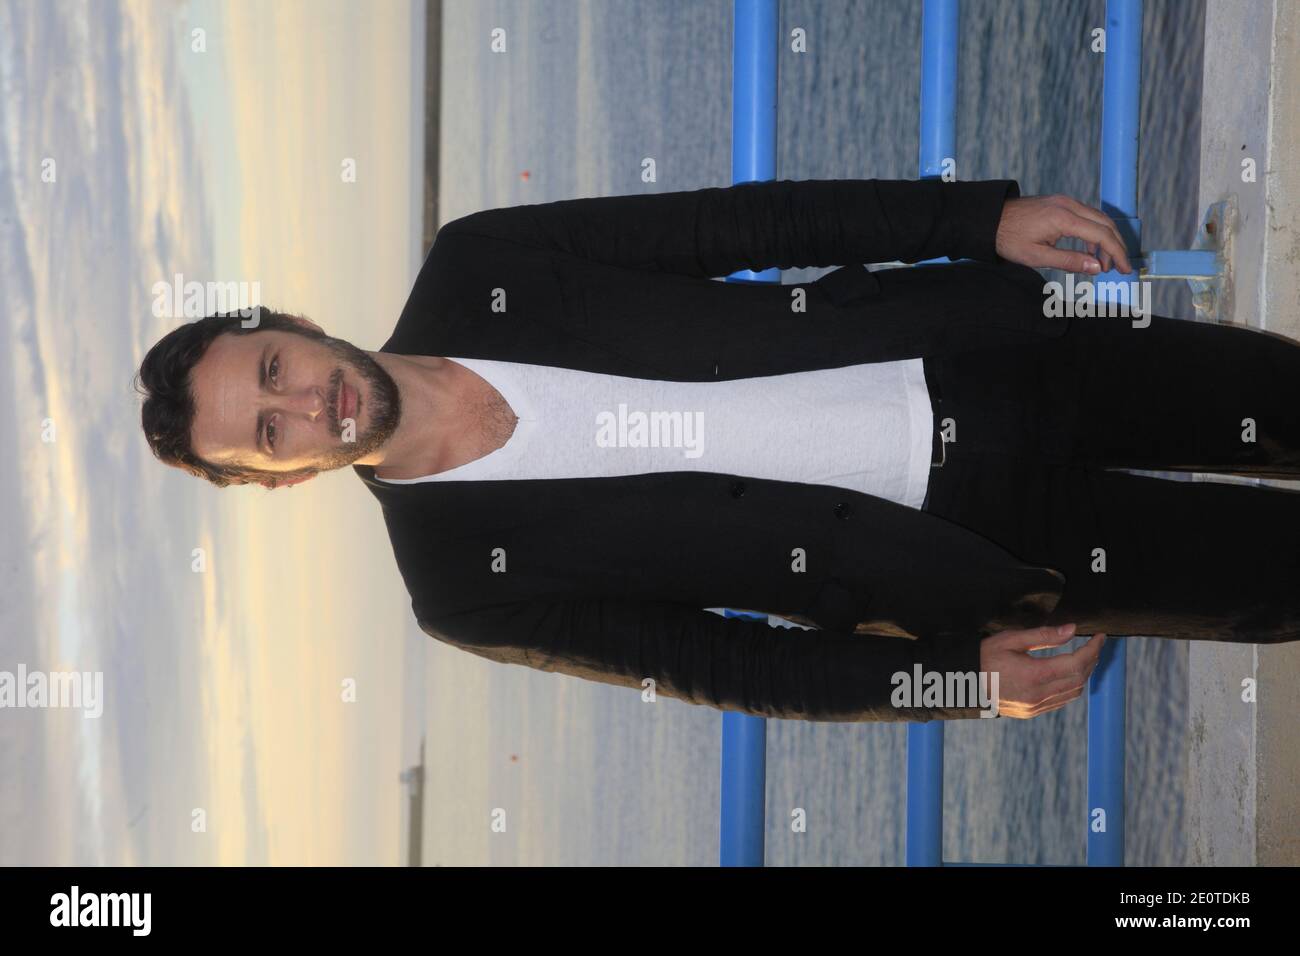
column 1039, row 433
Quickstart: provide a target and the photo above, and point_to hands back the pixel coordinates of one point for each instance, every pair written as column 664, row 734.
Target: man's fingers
column 1096, row 215
column 1044, row 684
column 1063, row 677
column 1105, row 236
column 1067, row 260
column 1025, row 712
column 1102, row 256
column 1056, row 702
column 1075, row 668
column 1074, row 665
column 1089, row 654
column 1038, row 638
column 1063, row 685
column 1031, row 226
column 1049, row 683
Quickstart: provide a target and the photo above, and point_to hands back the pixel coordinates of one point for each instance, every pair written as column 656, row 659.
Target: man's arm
column 787, row 224
column 702, row 658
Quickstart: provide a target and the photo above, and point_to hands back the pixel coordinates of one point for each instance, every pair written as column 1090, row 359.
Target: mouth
column 346, row 402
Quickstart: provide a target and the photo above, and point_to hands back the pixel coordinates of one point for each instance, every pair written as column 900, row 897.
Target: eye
column 274, row 370
column 270, row 434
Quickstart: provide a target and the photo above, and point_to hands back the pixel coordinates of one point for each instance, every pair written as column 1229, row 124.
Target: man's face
column 280, row 402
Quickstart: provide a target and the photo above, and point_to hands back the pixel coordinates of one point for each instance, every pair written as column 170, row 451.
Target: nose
column 307, row 402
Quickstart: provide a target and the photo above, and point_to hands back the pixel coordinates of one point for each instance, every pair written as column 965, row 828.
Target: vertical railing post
column 939, row 24
column 753, row 159
column 940, row 20
column 754, row 88
column 1107, row 691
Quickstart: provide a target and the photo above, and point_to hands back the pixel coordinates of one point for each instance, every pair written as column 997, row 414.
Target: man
column 915, row 462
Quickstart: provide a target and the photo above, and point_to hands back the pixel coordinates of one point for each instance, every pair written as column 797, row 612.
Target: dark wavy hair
column 168, row 412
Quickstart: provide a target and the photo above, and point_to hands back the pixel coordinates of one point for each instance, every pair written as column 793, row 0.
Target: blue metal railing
column 754, row 158
column 940, row 20
column 938, row 137
column 1106, row 689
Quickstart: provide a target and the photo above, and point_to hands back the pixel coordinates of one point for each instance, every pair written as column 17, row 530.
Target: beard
column 379, row 396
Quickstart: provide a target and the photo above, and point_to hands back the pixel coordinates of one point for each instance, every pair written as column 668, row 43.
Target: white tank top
column 868, row 428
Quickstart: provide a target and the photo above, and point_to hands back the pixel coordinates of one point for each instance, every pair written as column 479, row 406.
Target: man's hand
column 1031, row 226
column 1029, row 686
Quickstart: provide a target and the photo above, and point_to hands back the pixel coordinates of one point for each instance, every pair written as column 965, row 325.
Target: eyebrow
column 261, row 384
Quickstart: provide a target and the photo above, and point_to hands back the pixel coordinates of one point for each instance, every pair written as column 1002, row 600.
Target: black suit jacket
column 608, row 578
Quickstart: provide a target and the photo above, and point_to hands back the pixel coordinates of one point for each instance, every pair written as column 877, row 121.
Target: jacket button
column 737, row 489
column 842, row 510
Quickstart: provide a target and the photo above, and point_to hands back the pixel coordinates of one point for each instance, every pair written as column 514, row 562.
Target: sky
column 134, row 149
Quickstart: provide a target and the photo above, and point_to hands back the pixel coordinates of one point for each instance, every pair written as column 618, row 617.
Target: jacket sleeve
column 784, row 224
column 700, row 657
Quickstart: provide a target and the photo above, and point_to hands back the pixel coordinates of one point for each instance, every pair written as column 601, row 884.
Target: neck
column 431, row 417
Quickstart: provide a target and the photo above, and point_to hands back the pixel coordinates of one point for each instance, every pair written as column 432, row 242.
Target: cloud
column 221, row 687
